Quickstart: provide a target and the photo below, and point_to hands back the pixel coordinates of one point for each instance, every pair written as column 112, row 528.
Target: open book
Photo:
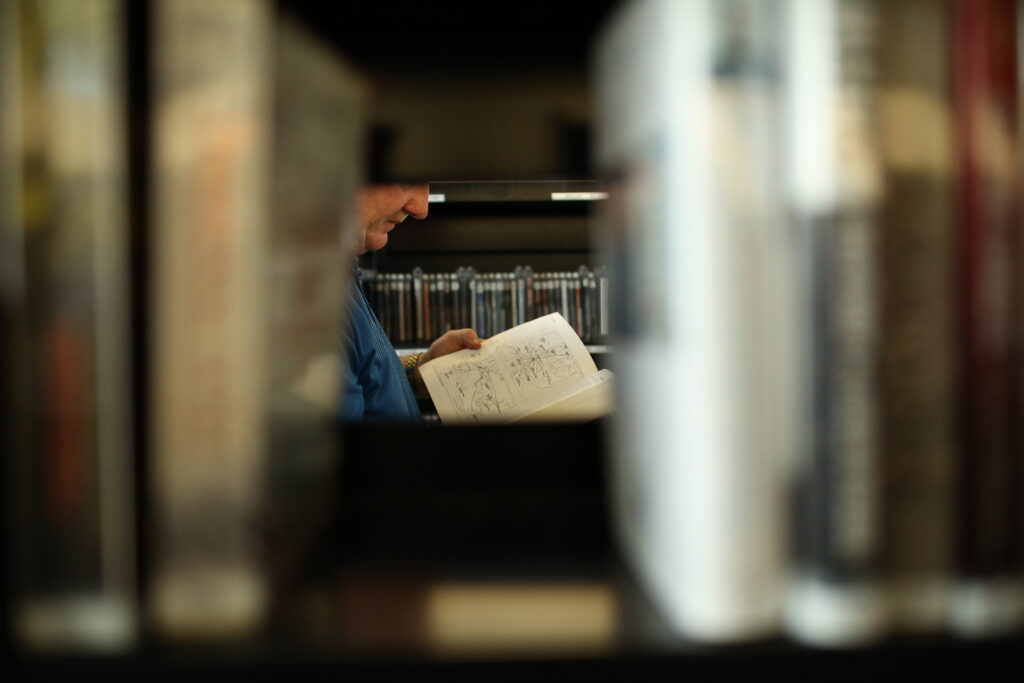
column 537, row 371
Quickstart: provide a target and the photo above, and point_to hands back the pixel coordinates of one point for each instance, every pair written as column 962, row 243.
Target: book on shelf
column 916, row 306
column 315, row 172
column 538, row 371
column 255, row 168
column 988, row 593
column 834, row 190
column 66, row 352
column 898, row 143
column 700, row 257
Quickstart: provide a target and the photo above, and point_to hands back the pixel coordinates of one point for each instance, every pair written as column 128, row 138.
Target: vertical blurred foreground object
column 989, row 594
column 833, row 191
column 702, row 310
column 65, row 328
column 917, row 303
column 255, row 165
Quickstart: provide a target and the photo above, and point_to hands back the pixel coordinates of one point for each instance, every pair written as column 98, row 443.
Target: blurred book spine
column 834, row 192
column 989, row 593
column 916, row 300
column 695, row 243
column 315, row 173
column 66, row 355
column 209, row 218
column 256, row 153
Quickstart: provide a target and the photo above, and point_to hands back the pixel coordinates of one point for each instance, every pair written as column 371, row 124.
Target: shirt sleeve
column 352, row 404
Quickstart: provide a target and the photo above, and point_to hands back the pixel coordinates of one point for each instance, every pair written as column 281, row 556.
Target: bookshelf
column 447, row 192
column 415, row 560
column 381, row 567
column 497, row 228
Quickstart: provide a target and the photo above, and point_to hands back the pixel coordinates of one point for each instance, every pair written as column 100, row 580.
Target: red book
column 989, row 242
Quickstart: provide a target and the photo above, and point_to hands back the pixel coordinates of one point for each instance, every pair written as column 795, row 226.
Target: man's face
column 382, row 207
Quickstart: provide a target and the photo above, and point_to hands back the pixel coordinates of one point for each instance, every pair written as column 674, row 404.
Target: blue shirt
column 374, row 385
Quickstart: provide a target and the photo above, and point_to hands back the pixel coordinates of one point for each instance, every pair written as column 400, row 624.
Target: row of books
column 818, row 350
column 415, row 308
column 170, row 309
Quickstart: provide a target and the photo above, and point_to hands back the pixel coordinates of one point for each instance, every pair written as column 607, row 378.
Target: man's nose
column 417, row 206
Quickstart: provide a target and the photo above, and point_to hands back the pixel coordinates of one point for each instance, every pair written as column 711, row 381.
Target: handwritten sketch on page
column 539, row 370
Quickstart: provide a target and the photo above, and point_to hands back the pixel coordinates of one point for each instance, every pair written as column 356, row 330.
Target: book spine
column 425, row 337
column 836, row 598
column 499, row 303
column 63, row 207
column 429, row 312
column 593, row 335
column 537, row 295
column 14, row 345
column 699, row 514
column 410, row 312
column 513, row 282
column 508, row 301
column 313, row 176
column 531, row 295
column 417, row 293
column 588, row 308
column 209, row 222
column 442, row 303
column 383, row 293
column 578, row 304
column 453, row 294
column 400, row 309
column 437, row 294
column 481, row 305
column 465, row 298
column 563, row 301
column 988, row 595
column 474, row 307
column 396, row 307
column 916, row 287
column 520, row 295
column 459, row 295
column 446, row 307
column 549, row 296
column 497, row 321
column 494, row 302
column 390, row 305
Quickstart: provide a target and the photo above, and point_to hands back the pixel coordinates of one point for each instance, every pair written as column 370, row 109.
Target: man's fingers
column 470, row 339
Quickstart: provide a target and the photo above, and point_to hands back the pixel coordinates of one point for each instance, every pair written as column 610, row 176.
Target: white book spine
column 697, row 434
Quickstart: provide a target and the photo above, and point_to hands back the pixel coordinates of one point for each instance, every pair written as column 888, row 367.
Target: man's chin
column 375, row 244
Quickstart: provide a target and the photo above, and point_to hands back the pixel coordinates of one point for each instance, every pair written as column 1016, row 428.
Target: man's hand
column 450, row 342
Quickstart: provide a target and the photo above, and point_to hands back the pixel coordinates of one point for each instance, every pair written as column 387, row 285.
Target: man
column 377, row 384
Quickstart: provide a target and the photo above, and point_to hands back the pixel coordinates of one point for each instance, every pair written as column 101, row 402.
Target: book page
column 588, row 399
column 511, row 375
